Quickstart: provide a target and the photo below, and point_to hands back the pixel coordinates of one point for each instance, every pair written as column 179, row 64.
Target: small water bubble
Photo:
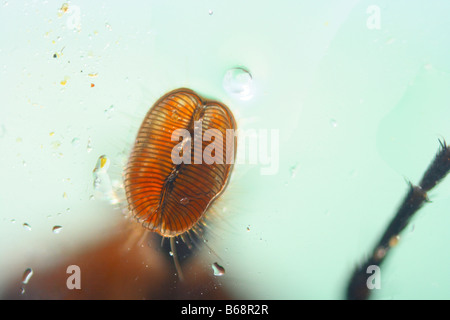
column 184, row 201
column 210, row 12
column 237, row 82
column 333, row 123
column 75, row 142
column 218, row 269
column 26, row 226
column 89, row 145
column 293, row 170
column 109, row 111
column 171, row 253
column 27, row 275
column 56, row 229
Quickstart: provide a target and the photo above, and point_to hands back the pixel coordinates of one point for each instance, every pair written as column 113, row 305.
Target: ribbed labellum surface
column 181, row 161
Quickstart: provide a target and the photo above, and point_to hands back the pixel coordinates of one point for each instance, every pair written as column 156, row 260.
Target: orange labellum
column 170, row 198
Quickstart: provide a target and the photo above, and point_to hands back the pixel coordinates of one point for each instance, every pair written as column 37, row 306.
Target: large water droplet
column 237, row 82
column 27, row 275
column 218, row 269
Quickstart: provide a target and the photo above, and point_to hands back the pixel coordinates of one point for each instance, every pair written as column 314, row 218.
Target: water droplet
column 184, row 201
column 210, row 12
column 26, row 226
column 333, row 123
column 56, row 229
column 171, row 253
column 218, row 269
column 109, row 111
column 64, row 195
column 56, row 144
column 89, row 145
column 27, row 275
column 248, row 228
column 293, row 170
column 75, row 142
column 237, row 82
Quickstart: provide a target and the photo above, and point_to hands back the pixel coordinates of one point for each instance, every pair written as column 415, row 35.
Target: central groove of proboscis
column 170, row 180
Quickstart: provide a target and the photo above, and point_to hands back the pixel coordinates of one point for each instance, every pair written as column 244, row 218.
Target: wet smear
column 103, row 187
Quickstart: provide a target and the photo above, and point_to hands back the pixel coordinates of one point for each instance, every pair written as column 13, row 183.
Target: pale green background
column 359, row 113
